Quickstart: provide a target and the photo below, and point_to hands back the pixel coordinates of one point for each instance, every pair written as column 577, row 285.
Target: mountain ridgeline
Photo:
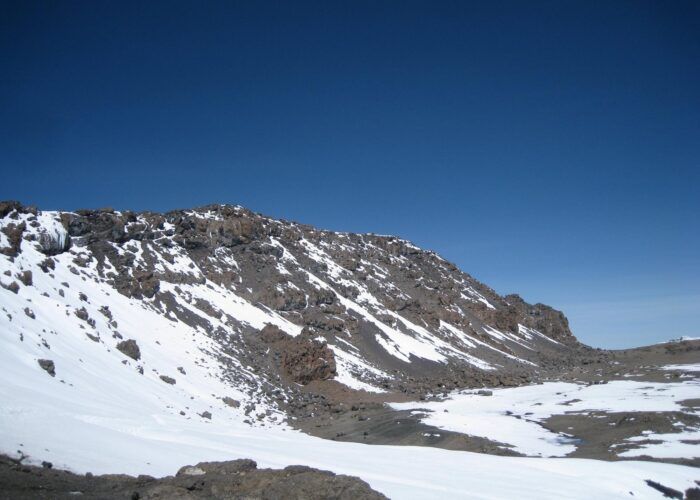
column 282, row 304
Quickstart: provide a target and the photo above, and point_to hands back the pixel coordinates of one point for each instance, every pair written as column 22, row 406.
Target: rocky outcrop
column 304, row 359
column 205, row 480
column 13, row 232
column 542, row 317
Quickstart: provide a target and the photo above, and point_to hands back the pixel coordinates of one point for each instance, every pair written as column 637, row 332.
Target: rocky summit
column 218, row 333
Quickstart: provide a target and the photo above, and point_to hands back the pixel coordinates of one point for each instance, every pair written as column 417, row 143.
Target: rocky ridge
column 393, row 316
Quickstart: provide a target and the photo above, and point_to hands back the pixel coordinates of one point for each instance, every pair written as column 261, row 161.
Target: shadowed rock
column 130, row 348
column 48, row 366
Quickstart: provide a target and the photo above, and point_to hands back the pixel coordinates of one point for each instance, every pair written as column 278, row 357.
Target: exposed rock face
column 304, row 359
column 541, row 317
column 236, row 479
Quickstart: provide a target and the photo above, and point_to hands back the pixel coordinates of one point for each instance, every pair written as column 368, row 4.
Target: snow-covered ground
column 115, row 421
column 690, row 367
column 513, row 416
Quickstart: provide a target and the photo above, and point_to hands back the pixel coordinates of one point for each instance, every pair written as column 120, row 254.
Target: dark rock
column 541, row 317
column 168, row 380
column 48, row 264
column 665, row 490
column 271, row 334
column 231, row 402
column 26, row 278
column 29, row 313
column 13, row 287
column 82, row 314
column 48, row 366
column 106, row 312
column 50, row 245
column 14, row 235
column 9, row 206
column 130, row 348
column 205, row 414
column 308, row 360
column 692, row 494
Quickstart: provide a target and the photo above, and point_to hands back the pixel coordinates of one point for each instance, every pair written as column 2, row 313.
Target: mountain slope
column 389, row 311
column 142, row 342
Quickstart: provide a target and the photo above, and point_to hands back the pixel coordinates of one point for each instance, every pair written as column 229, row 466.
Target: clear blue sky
column 548, row 148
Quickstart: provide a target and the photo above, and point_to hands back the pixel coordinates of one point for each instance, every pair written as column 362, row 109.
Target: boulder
column 48, row 366
column 130, row 348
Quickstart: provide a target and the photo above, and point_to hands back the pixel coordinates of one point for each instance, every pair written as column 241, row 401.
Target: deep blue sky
column 548, row 148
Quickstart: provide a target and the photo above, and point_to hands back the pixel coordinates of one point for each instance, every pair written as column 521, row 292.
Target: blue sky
column 548, row 148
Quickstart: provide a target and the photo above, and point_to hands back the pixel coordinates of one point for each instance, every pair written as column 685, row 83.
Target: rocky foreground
column 237, row 479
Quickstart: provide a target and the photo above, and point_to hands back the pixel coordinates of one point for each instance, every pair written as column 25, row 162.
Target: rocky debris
column 130, row 348
column 168, row 380
column 237, row 479
column 138, row 285
column 206, row 414
column 306, row 360
column 48, row 366
column 29, row 313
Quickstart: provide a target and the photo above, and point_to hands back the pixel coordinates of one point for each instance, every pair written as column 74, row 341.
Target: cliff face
column 386, row 314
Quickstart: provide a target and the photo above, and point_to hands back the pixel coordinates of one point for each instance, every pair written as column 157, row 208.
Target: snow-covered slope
column 103, row 417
